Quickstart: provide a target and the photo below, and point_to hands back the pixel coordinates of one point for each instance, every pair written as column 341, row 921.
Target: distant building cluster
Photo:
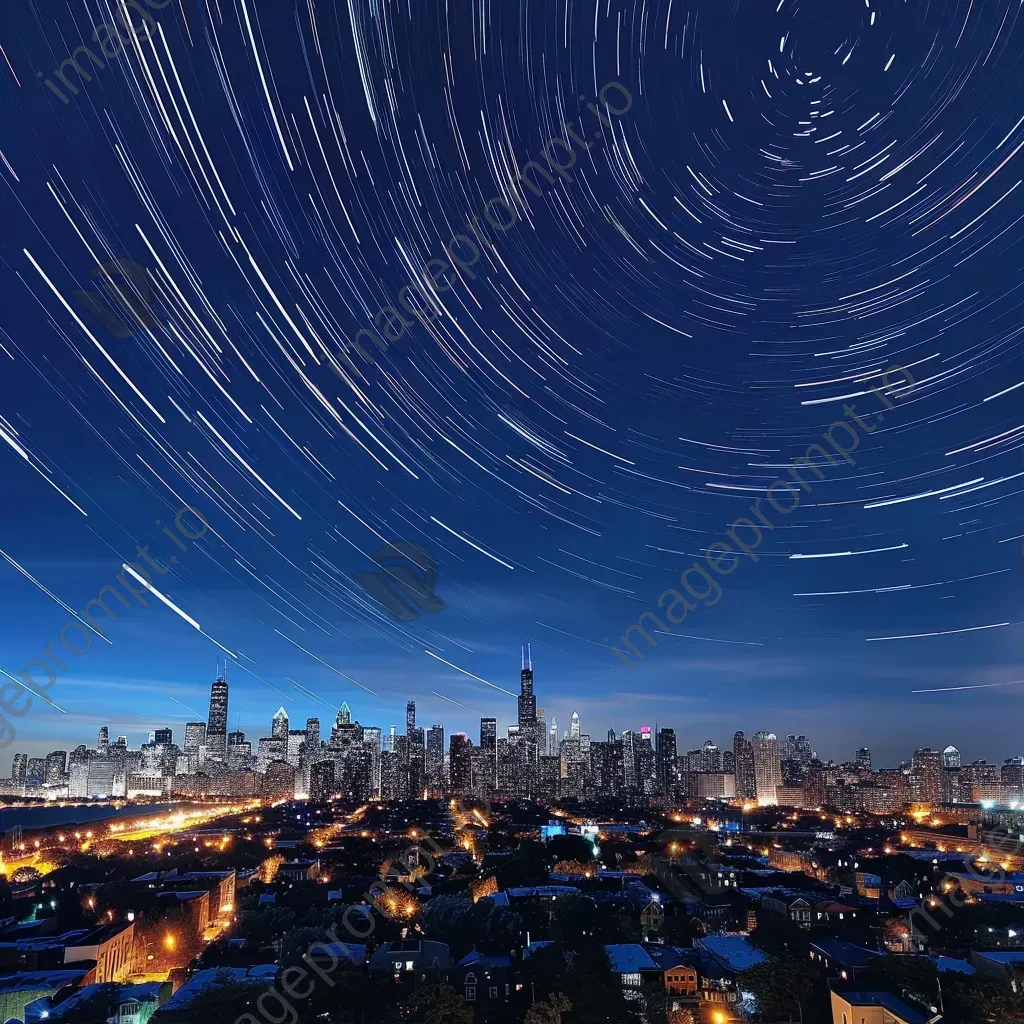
column 532, row 761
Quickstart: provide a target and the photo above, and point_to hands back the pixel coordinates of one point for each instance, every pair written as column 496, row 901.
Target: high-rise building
column 279, row 725
column 217, row 720
column 78, row 772
column 460, row 769
column 926, row 776
column 743, row 767
column 527, row 700
column 574, row 726
column 312, row 734
column 372, row 743
column 293, row 746
column 103, row 739
column 19, row 770
column 864, row 758
column 163, row 736
column 951, row 757
column 666, row 759
column 195, row 737
column 410, row 717
column 489, row 733
column 35, row 774
column 56, row 767
column 321, row 781
column 767, row 767
column 434, row 758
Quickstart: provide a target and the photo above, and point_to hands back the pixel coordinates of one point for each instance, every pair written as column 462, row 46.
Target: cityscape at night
column 513, row 512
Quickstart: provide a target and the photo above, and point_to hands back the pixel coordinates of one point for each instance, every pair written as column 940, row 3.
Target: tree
column 786, row 988
column 220, row 1002
column 549, row 1011
column 438, row 1004
column 261, row 926
column 573, row 918
column 584, row 976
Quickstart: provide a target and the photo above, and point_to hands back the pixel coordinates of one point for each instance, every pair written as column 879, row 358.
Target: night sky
column 771, row 205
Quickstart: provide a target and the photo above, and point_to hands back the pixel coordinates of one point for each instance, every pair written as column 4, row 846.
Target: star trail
column 550, row 288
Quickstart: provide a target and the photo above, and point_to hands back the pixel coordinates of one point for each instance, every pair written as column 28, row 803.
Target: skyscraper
column 951, row 757
column 434, row 757
column 767, row 767
column 460, row 762
column 926, row 776
column 103, row 739
column 312, row 734
column 666, row 761
column 321, row 781
column 195, row 737
column 743, row 767
column 410, row 717
column 56, row 767
column 864, row 758
column 574, row 726
column 489, row 733
column 279, row 728
column 19, row 769
column 527, row 700
column 217, row 720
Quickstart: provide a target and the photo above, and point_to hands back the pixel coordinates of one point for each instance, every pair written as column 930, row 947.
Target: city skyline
column 756, row 761
column 696, row 719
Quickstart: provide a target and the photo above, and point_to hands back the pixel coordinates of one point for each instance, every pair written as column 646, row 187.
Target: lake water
column 48, row 815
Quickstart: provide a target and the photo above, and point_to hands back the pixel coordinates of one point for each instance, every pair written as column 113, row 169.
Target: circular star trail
column 725, row 222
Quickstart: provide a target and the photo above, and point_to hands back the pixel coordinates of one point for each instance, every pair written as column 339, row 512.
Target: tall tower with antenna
column 527, row 700
column 217, row 722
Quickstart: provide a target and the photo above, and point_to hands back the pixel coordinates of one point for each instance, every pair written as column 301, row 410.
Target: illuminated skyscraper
column 312, row 734
column 279, row 729
column 434, row 763
column 527, row 700
column 743, row 767
column 459, row 762
column 217, row 720
column 195, row 736
column 574, row 726
column 489, row 733
column 666, row 761
column 767, row 767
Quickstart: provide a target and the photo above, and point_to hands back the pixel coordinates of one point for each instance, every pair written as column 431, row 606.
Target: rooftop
column 1009, row 956
column 903, row 1011
column 102, row 934
column 28, row 981
column 629, row 957
column 846, row 953
column 735, row 951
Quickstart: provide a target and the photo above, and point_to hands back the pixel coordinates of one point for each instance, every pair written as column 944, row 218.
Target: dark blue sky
column 795, row 200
